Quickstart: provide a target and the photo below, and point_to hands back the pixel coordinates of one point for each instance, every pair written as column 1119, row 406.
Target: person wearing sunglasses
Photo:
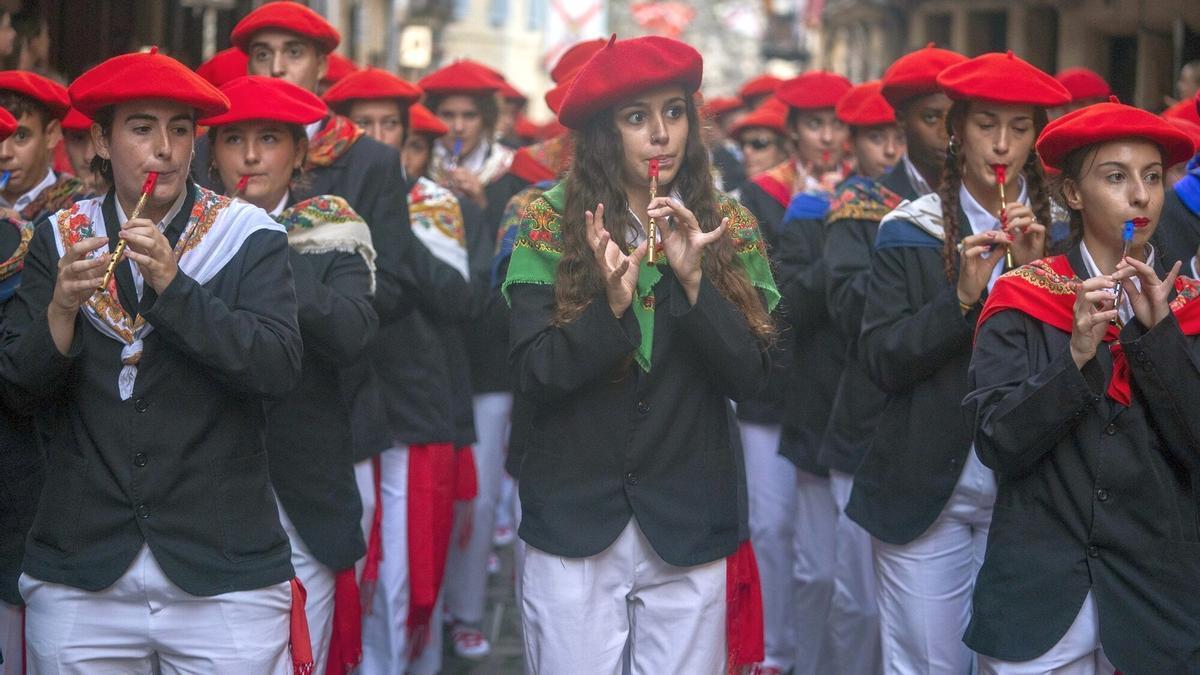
column 762, row 136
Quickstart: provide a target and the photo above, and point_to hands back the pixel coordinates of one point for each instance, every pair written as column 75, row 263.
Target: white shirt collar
column 1126, row 309
column 914, row 176
column 312, row 129
column 25, row 199
column 471, row 161
column 161, row 225
column 281, row 205
column 982, row 220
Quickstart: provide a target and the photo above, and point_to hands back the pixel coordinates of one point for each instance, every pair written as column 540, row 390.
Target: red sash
column 345, row 640
column 1045, row 290
column 528, row 169
column 331, row 142
column 434, row 484
column 743, row 610
column 298, row 639
column 778, row 182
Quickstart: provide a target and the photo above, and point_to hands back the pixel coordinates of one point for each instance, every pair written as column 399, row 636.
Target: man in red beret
column 29, row 188
column 429, row 343
column 77, row 141
column 157, row 542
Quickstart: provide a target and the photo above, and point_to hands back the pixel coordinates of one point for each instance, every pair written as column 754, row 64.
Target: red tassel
column 345, row 640
column 370, row 575
column 743, row 610
column 431, row 491
column 301, row 645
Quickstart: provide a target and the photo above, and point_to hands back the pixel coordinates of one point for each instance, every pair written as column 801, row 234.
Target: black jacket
column 916, row 344
column 858, row 401
column 608, row 441
column 768, row 406
column 1090, row 495
column 813, row 345
column 309, row 443
column 1178, row 233
column 181, row 465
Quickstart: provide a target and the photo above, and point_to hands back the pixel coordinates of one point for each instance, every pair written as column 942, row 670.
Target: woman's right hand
column 976, row 271
column 1095, row 309
column 620, row 271
column 78, row 276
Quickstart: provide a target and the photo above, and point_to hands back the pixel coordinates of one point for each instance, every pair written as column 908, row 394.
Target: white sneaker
column 469, row 642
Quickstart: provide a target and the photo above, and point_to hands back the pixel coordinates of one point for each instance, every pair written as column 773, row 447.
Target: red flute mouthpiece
column 241, row 184
column 1141, row 221
column 825, row 157
column 654, row 168
column 1000, row 170
column 151, row 180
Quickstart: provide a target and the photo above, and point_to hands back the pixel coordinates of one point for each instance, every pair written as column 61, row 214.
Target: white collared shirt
column 914, row 176
column 25, row 199
column 471, row 161
column 983, row 220
column 281, row 205
column 162, row 226
column 312, row 129
column 1125, row 311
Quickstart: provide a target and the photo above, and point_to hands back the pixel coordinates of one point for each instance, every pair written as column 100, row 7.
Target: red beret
column 526, row 128
column 8, row 124
column 1190, row 128
column 1185, row 110
column 43, row 90
column 772, row 114
column 144, row 75
column 763, row 85
column 422, row 121
column 624, row 68
column 224, row 66
column 1110, row 121
column 337, row 67
column 76, row 121
column 286, row 16
column 461, row 77
column 253, row 97
column 554, row 97
column 1002, row 78
column 1083, row 84
column 813, row 90
column 574, row 58
column 722, row 104
column 915, row 73
column 372, row 83
column 865, row 106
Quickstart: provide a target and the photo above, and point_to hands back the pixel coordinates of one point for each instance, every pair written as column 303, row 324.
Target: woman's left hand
column 1152, row 303
column 466, row 184
column 684, row 242
column 1028, row 236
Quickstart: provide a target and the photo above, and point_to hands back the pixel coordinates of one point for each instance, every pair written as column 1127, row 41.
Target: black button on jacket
column 592, row 461
column 203, row 501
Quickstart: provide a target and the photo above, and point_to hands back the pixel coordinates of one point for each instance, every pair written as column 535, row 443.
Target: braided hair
column 952, row 176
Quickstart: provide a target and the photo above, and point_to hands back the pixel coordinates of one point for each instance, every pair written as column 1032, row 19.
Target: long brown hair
column 595, row 178
column 952, row 174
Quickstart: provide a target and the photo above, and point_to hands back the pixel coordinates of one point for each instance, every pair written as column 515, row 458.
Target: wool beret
column 41, row 89
column 1110, row 121
column 144, row 75
column 252, row 97
column 286, row 16
column 813, row 90
column 224, row 66
column 372, row 83
column 1002, row 78
column 865, row 106
column 1083, row 84
column 422, row 121
column 461, row 77
column 915, row 73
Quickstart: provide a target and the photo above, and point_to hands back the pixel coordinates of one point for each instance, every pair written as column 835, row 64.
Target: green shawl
column 539, row 247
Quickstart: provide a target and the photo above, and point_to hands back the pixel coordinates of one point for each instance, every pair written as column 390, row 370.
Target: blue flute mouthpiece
column 1127, row 235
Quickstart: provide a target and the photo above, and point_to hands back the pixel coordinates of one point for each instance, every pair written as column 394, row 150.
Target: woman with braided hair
column 920, row 491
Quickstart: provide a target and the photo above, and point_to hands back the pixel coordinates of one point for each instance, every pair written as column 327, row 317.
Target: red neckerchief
column 779, row 181
column 1044, row 290
column 332, row 141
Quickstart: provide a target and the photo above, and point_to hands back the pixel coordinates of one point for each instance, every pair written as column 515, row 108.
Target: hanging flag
column 668, row 19
column 570, row 21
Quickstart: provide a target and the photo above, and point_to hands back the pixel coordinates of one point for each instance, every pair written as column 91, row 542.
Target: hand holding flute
column 119, row 252
column 652, row 228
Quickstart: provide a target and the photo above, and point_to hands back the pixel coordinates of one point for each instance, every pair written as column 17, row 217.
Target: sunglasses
column 759, row 143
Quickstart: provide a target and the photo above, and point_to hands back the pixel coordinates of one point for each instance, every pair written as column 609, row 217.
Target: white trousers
column 580, row 615
column 853, row 630
column 925, row 586
column 815, row 557
column 318, row 582
column 771, row 483
column 143, row 619
column 11, row 644
column 384, row 631
column 1078, row 652
column 466, row 566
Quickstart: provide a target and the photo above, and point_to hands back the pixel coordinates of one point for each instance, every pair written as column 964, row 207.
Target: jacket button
column 955, row 462
column 142, row 511
column 141, row 405
column 1102, row 495
column 643, row 407
column 1093, row 552
column 1111, row 430
column 139, row 459
column 631, row 478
